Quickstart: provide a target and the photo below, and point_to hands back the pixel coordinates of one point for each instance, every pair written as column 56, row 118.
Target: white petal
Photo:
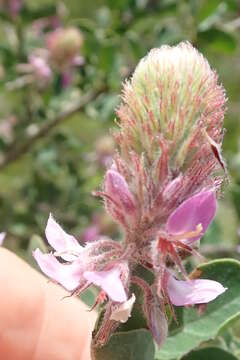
column 123, row 312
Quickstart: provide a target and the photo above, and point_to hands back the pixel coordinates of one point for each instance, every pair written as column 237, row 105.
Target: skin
column 35, row 322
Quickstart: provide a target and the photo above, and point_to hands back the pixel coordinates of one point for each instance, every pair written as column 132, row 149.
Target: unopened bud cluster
column 64, row 45
column 62, row 54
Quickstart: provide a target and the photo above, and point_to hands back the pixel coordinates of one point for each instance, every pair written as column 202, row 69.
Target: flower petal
column 68, row 275
column 60, row 240
column 109, row 281
column 199, row 209
column 123, row 311
column 192, row 292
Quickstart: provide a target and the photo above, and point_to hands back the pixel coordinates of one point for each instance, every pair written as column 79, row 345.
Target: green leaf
column 129, row 345
column 88, row 297
column 36, row 242
column 218, row 314
column 212, row 353
column 207, row 8
column 218, row 40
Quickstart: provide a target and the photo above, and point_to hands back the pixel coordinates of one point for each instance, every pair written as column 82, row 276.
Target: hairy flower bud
column 64, row 46
column 174, row 94
column 120, row 201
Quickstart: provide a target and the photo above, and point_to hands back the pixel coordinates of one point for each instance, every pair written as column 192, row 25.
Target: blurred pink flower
column 12, row 6
column 91, row 233
column 2, row 237
column 40, row 67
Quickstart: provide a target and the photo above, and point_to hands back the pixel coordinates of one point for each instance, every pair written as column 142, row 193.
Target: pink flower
column 190, row 292
column 109, row 281
column 68, row 275
column 198, row 209
column 82, row 268
column 185, row 225
column 40, row 68
column 160, row 189
column 12, row 6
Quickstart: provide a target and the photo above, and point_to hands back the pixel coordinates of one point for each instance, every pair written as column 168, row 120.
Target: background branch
column 20, row 148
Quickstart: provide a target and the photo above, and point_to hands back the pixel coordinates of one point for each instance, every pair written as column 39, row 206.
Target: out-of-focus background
column 61, row 69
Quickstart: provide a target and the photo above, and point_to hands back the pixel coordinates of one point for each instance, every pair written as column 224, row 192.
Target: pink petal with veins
column 68, row 275
column 198, row 209
column 109, row 281
column 190, row 292
column 61, row 241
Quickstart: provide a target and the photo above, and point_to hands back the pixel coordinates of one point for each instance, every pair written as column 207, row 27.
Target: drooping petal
column 61, row 241
column 192, row 292
column 109, row 281
column 2, row 237
column 123, row 311
column 68, row 275
column 199, row 209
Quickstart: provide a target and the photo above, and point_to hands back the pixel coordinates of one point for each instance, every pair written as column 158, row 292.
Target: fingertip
column 35, row 321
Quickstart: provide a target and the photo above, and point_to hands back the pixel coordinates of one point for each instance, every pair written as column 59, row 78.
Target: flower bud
column 120, row 201
column 64, row 45
column 175, row 95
